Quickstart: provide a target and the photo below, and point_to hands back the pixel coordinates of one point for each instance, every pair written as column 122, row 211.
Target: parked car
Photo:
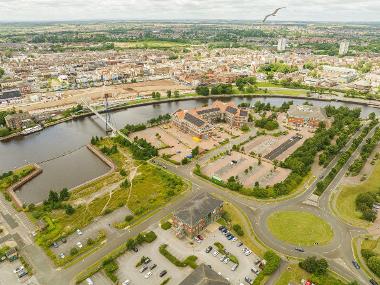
column 147, row 260
column 135, row 249
column 239, row 244
column 208, row 249
column 248, row 252
column 234, row 239
column 163, row 273
column 257, row 261
column 148, row 275
column 79, row 244
column 79, row 232
column 355, row 264
column 373, row 282
column 230, row 237
column 18, row 269
column 22, row 273
column 55, row 245
column 248, row 280
column 89, row 281
column 300, row 249
column 142, row 269
column 215, row 253
column 234, row 267
column 221, row 228
column 255, row 270
column 200, row 237
column 63, row 240
column 197, row 240
column 126, row 282
column 226, row 260
column 153, row 266
column 222, row 258
column 62, row 255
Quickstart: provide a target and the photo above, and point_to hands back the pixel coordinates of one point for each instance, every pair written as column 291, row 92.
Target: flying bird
column 273, row 14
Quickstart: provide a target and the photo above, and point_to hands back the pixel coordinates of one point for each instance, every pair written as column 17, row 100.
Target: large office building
column 18, row 120
column 305, row 115
column 204, row 275
column 196, row 215
column 199, row 122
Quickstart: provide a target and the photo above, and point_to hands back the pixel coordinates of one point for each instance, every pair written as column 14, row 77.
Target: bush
column 313, row 265
column 273, row 262
column 189, row 261
column 237, row 228
column 165, row 226
column 90, row 241
column 128, row 218
column 374, row 264
column 74, row 251
column 367, row 253
column 150, row 237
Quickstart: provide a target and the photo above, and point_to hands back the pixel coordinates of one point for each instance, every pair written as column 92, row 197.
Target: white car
column 89, row 281
column 226, row 260
column 18, row 269
column 234, row 267
column 79, row 244
column 79, row 232
column 215, row 253
column 148, row 275
column 248, row 252
column 62, row 255
column 234, row 239
column 126, row 282
column 222, row 258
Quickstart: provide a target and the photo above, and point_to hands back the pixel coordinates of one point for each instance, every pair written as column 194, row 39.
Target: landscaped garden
column 299, row 228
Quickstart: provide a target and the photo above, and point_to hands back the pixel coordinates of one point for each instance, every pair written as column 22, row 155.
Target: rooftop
column 204, row 275
column 197, row 208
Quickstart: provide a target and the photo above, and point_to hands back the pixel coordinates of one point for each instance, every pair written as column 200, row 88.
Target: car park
column 208, row 249
column 163, row 273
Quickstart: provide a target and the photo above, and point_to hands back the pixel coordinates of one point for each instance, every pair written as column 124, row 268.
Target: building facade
column 199, row 122
column 196, row 215
column 16, row 121
column 305, row 115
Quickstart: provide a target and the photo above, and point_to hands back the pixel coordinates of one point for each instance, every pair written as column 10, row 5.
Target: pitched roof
column 197, row 208
column 194, row 120
column 243, row 113
column 204, row 275
column 207, row 110
column 231, row 110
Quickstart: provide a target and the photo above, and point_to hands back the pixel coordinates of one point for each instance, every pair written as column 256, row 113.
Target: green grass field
column 299, row 228
column 345, row 202
column 294, row 274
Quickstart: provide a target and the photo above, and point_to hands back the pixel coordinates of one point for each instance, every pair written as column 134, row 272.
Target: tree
column 131, row 244
column 195, row 151
column 128, row 218
column 90, row 241
column 312, row 265
column 73, row 251
column 2, row 72
column 69, row 210
column 169, row 93
column 374, row 264
column 64, row 195
column 202, row 90
column 176, row 93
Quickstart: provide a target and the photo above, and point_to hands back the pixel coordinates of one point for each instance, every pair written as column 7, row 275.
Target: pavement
column 338, row 252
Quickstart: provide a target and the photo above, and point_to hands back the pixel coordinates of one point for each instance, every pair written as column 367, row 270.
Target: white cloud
column 313, row 10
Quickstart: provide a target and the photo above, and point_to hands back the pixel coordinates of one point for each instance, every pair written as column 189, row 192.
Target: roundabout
column 299, row 228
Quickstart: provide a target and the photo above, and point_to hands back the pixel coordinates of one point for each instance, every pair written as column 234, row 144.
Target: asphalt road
column 338, row 252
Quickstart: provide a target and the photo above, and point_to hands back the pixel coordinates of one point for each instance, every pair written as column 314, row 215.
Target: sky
column 296, row 10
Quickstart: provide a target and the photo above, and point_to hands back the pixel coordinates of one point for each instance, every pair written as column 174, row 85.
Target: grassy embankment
column 294, row 274
column 9, row 178
column 345, row 202
column 150, row 188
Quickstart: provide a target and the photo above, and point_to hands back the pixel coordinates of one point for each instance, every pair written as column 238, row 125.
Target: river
column 66, row 162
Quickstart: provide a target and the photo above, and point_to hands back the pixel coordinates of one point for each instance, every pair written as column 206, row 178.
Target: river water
column 66, row 162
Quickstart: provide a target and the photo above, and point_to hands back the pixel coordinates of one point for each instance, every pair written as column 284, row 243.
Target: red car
column 200, row 237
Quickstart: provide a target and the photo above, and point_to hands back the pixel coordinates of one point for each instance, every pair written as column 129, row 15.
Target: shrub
column 150, row 237
column 128, row 218
column 374, row 264
column 74, row 251
column 273, row 262
column 237, row 228
column 367, row 253
column 313, row 265
column 189, row 261
column 165, row 226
